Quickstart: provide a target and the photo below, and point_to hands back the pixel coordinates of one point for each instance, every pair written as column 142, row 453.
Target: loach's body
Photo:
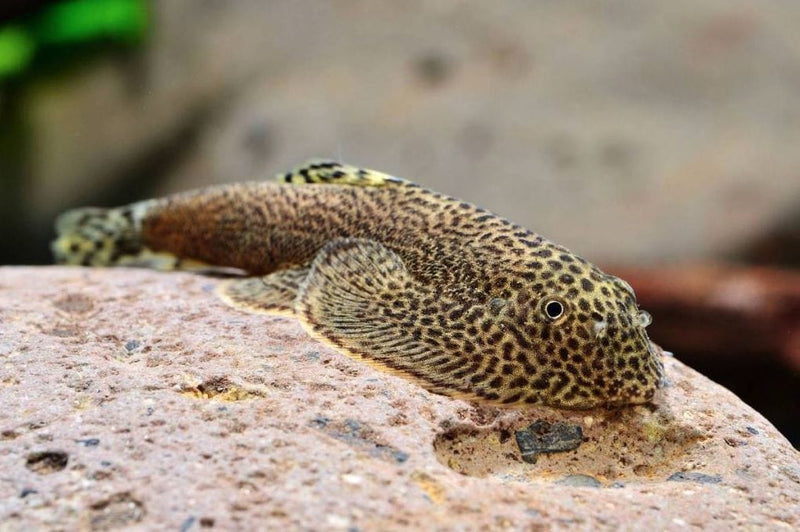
column 460, row 300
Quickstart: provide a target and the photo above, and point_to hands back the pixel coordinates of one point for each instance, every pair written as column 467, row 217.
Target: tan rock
column 131, row 397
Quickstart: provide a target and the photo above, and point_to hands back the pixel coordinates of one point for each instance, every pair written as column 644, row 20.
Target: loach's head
column 588, row 345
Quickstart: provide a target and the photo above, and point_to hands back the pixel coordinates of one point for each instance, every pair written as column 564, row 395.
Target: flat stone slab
column 137, row 398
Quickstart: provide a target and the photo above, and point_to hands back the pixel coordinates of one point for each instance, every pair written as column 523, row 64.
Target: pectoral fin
column 360, row 298
column 272, row 294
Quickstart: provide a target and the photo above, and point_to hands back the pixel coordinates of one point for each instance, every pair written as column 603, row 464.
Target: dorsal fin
column 335, row 173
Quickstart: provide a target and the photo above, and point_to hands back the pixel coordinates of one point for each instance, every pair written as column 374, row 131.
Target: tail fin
column 92, row 236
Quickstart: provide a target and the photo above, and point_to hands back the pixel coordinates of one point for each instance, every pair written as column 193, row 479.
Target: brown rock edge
column 722, row 310
column 131, row 397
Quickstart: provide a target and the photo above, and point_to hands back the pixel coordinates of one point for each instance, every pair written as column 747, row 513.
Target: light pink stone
column 206, row 417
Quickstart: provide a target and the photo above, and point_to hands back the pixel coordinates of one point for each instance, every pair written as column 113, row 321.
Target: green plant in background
column 16, row 50
column 69, row 23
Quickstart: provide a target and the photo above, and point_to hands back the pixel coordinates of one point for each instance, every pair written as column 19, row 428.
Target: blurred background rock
column 651, row 138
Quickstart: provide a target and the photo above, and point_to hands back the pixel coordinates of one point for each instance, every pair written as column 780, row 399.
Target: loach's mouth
column 656, row 353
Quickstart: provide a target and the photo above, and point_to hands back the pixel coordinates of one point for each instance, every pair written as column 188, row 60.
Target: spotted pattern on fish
column 429, row 287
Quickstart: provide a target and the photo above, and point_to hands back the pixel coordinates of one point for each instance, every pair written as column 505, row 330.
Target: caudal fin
column 92, row 236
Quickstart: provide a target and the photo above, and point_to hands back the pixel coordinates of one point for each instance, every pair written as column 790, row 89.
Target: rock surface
column 136, row 398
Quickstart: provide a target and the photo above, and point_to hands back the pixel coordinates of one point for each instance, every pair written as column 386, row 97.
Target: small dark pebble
column 320, row 421
column 733, row 442
column 207, row 522
column 580, row 481
column 691, row 476
column 353, row 432
column 27, row 491
column 187, row 524
column 352, row 424
column 752, row 430
column 105, row 463
column 89, row 442
column 545, row 437
column 399, row 456
column 132, row 345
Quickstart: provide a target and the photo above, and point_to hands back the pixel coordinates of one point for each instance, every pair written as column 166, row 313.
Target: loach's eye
column 553, row 309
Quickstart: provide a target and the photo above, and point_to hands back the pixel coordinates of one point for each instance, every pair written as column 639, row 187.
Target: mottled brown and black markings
column 439, row 290
column 332, row 172
column 95, row 236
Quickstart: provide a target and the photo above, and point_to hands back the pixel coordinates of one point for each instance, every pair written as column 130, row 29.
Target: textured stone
column 130, row 397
